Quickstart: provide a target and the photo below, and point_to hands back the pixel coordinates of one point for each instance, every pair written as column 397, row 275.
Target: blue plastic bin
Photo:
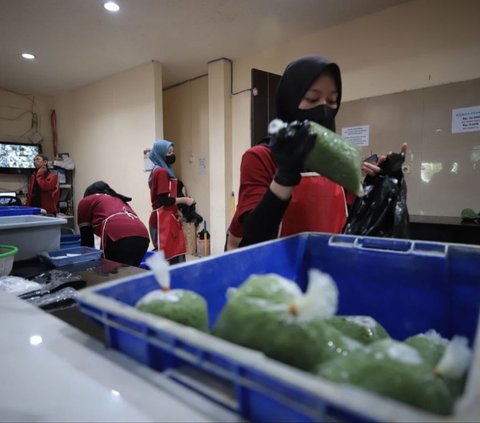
column 67, row 256
column 70, row 241
column 19, row 211
column 408, row 286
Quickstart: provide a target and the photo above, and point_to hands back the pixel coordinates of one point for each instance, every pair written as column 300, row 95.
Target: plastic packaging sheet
column 53, row 298
column 55, row 277
column 55, row 287
column 17, row 285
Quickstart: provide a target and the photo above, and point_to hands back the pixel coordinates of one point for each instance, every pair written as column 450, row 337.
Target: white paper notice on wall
column 358, row 135
column 202, row 166
column 147, row 163
column 466, row 119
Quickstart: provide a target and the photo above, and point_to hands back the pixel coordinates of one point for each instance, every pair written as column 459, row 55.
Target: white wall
column 16, row 125
column 106, row 126
column 219, row 144
column 186, row 125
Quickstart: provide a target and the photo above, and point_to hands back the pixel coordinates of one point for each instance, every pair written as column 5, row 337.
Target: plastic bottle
column 203, row 241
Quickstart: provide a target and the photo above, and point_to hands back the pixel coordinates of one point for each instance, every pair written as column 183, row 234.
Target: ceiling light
column 28, row 56
column 111, row 6
column 36, row 340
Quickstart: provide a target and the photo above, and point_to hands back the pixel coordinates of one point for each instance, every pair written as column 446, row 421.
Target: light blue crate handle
column 389, row 245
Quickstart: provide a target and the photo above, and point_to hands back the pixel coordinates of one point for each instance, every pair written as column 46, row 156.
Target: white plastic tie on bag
column 160, row 269
column 159, row 295
column 320, row 300
column 456, row 358
column 275, row 125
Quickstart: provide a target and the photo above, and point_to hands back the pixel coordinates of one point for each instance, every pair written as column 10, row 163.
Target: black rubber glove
column 290, row 146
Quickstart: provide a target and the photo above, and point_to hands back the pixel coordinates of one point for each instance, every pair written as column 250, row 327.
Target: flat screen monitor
column 17, row 157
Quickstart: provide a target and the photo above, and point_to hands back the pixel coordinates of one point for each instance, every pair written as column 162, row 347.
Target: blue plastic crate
column 70, row 241
column 19, row 211
column 67, row 256
column 408, row 286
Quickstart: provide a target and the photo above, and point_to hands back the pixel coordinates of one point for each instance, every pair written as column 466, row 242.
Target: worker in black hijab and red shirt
column 276, row 197
column 105, row 213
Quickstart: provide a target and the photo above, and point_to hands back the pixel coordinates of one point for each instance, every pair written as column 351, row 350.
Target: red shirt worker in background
column 164, row 224
column 43, row 189
column 105, row 213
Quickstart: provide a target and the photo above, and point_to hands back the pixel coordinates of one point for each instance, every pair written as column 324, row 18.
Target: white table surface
column 50, row 371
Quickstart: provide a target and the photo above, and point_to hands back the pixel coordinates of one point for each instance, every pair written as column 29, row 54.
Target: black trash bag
column 382, row 211
column 189, row 213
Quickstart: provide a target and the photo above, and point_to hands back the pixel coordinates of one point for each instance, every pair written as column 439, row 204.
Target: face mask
column 323, row 115
column 170, row 159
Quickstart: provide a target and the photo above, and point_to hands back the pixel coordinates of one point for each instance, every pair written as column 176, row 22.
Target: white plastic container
column 31, row 234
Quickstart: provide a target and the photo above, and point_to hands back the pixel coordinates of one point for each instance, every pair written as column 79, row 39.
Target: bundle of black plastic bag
column 382, row 211
column 189, row 213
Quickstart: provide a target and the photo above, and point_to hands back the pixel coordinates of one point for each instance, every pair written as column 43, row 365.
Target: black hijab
column 295, row 82
column 101, row 187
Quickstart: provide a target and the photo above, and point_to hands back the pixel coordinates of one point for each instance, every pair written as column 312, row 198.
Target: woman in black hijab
column 274, row 198
column 101, row 187
column 310, row 88
column 105, row 213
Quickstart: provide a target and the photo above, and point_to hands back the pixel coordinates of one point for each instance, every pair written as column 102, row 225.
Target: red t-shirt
column 49, row 190
column 122, row 221
column 324, row 203
column 161, row 184
column 256, row 173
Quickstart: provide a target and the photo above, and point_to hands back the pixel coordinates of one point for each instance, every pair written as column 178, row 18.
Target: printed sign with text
column 358, row 135
column 466, row 119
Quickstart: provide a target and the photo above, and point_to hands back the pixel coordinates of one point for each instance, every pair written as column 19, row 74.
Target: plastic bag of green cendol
column 448, row 360
column 182, row 306
column 363, row 329
column 332, row 156
column 392, row 369
column 399, row 371
column 269, row 313
column 430, row 345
